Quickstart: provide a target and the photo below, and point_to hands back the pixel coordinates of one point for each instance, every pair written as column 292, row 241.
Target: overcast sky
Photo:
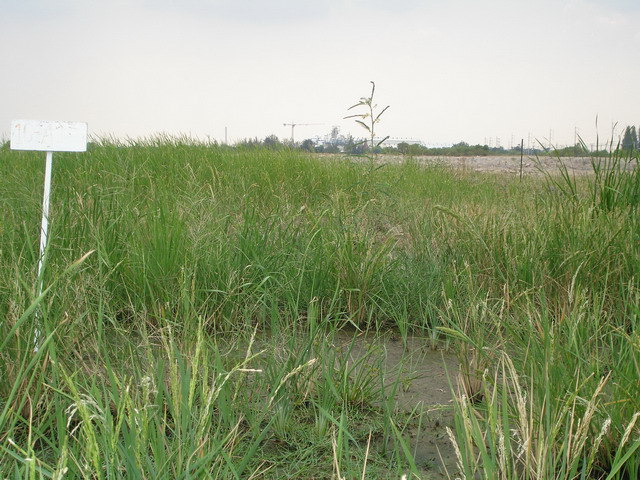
column 451, row 70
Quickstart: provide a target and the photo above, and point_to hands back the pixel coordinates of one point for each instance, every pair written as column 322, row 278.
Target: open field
column 511, row 165
column 531, row 165
column 212, row 312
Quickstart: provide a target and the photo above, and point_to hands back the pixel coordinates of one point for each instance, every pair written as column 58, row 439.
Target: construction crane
column 293, row 125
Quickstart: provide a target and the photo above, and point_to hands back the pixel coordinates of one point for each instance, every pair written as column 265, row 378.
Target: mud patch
column 425, row 375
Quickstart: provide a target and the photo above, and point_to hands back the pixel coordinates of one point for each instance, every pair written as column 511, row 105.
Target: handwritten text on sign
column 46, row 136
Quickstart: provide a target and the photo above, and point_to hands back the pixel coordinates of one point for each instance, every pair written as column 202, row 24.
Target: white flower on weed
column 87, row 407
column 449, row 304
column 515, row 434
column 148, row 385
column 136, row 418
column 59, row 475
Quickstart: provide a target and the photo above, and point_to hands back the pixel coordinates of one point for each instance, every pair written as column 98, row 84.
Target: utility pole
column 521, row 156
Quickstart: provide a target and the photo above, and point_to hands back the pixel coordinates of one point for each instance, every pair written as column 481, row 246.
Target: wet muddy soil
column 426, row 375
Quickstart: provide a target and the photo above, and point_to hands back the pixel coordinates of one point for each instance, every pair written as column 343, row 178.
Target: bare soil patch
column 496, row 164
column 426, row 375
column 504, row 164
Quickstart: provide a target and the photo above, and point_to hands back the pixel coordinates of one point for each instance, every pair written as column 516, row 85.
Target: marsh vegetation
column 205, row 310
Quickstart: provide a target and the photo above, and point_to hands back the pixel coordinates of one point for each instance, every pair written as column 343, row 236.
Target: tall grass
column 152, row 367
column 556, row 391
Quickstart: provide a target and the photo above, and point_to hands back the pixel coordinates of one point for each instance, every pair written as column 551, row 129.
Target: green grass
column 197, row 337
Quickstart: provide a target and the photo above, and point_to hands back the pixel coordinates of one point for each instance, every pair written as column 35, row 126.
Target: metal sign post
column 46, row 136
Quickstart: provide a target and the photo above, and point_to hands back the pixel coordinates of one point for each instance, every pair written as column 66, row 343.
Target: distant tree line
column 463, row 149
column 341, row 144
column 630, row 138
column 353, row 146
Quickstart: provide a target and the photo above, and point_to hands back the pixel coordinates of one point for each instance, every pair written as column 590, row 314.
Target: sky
column 451, row 70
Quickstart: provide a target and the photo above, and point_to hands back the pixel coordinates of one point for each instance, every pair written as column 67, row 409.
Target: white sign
column 48, row 136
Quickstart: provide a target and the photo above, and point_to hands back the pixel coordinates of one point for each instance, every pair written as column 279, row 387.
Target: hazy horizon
column 451, row 71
